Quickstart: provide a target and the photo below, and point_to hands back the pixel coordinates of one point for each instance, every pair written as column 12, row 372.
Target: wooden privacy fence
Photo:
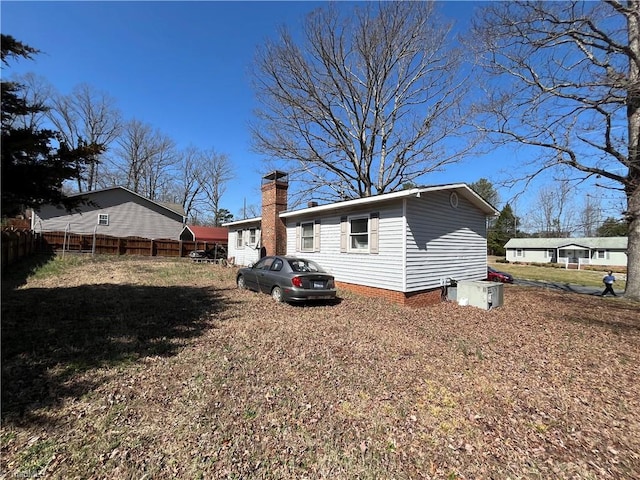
column 17, row 244
column 105, row 244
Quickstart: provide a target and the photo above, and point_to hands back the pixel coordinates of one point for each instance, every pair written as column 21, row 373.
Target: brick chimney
column 274, row 201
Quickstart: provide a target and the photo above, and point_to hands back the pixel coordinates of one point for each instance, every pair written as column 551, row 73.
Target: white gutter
column 414, row 192
column 242, row 222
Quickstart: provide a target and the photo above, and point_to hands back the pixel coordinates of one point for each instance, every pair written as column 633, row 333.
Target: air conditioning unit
column 481, row 294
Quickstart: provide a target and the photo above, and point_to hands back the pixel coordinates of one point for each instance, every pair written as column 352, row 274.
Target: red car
column 494, row 275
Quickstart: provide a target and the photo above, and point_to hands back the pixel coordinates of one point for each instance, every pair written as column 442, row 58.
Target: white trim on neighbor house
column 605, row 251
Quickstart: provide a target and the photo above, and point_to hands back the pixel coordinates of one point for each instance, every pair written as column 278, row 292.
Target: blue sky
column 182, row 67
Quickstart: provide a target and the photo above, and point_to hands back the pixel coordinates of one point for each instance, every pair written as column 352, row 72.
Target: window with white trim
column 550, row 253
column 602, row 254
column 306, row 237
column 239, row 238
column 518, row 252
column 103, row 219
column 359, row 234
column 252, row 236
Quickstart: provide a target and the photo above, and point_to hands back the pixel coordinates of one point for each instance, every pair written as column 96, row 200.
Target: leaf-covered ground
column 163, row 369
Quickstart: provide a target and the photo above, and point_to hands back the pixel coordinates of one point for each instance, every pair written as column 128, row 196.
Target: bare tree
column 84, row 117
column 216, row 172
column 553, row 212
column 590, row 216
column 251, row 210
column 188, row 187
column 366, row 103
column 38, row 92
column 158, row 170
column 134, row 149
column 145, row 160
column 569, row 85
column 198, row 182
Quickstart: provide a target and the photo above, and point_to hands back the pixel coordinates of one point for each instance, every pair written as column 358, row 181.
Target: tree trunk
column 633, row 249
column 633, row 178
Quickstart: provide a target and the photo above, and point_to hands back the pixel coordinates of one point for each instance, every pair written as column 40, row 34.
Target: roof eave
column 478, row 201
column 84, row 194
column 242, row 222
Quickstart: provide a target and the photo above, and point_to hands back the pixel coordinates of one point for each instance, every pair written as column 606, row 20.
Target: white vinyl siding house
column 605, row 251
column 117, row 212
column 407, row 241
column 356, row 264
column 405, row 246
column 244, row 241
column 444, row 241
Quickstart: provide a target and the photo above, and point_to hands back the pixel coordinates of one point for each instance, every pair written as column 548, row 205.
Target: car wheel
column 240, row 282
column 276, row 293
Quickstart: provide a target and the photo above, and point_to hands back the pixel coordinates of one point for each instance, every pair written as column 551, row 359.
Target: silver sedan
column 288, row 279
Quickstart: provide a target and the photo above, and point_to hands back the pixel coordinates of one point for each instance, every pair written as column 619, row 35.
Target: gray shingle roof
column 609, row 243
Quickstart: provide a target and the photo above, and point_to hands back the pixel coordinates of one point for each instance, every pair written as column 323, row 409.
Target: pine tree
column 33, row 172
column 613, row 228
column 504, row 228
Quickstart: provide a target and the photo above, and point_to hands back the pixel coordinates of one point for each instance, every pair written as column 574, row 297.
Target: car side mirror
column 251, row 265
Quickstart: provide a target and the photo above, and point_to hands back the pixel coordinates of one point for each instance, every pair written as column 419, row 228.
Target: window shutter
column 374, row 220
column 298, row 240
column 607, row 254
column 343, row 234
column 316, row 236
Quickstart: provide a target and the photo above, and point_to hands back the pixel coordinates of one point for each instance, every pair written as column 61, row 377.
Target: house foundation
column 423, row 298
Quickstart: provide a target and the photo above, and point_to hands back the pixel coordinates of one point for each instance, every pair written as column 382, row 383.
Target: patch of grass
column 38, row 454
column 52, row 334
column 6, row 438
column 589, row 278
column 468, row 349
column 59, row 265
column 250, row 414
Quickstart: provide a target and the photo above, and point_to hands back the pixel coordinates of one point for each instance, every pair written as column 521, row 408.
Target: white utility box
column 481, row 294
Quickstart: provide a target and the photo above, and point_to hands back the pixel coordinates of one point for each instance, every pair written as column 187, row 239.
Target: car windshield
column 300, row 265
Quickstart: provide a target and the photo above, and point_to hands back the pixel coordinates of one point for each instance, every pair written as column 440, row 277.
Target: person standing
column 608, row 284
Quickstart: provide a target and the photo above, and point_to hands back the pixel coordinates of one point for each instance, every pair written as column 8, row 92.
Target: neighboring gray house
column 403, row 246
column 608, row 251
column 115, row 211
